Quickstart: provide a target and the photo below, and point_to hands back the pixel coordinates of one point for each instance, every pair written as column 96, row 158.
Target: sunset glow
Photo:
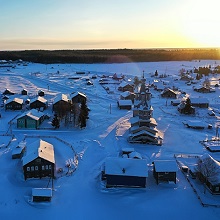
column 55, row 24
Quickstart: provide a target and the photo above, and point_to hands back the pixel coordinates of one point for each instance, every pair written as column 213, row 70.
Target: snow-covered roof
column 195, row 123
column 199, row 100
column 126, row 167
column 77, row 93
column 18, row 150
column 33, row 113
column 144, row 132
column 209, row 161
column 20, row 101
column 39, row 98
column 135, row 154
column 123, row 84
column 165, row 166
column 60, row 97
column 124, row 102
column 137, row 119
column 125, row 94
column 47, row 192
column 40, row 149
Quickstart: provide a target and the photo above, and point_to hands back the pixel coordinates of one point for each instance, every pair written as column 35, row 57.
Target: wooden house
column 165, row 171
column 125, row 172
column 41, row 194
column 8, row 92
column 78, row 97
column 31, row 119
column 24, row 92
column 14, row 104
column 38, row 103
column 202, row 89
column 61, row 103
column 39, row 160
column 41, row 93
column 168, row 93
column 124, row 86
column 208, row 172
column 125, row 104
column 199, row 102
column 127, row 96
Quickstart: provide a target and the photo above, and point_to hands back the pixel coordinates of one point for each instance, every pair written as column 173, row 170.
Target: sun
column 200, row 24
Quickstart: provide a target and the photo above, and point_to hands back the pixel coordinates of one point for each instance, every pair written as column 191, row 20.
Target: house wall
column 41, row 199
column 38, row 168
column 78, row 99
column 126, row 181
column 61, row 106
column 13, row 106
column 26, row 122
column 165, row 176
column 37, row 105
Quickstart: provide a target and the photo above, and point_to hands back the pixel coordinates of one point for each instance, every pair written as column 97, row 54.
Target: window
column 217, row 188
column 46, row 167
column 36, row 167
column 32, row 168
column 49, row 167
column 28, row 168
column 43, row 168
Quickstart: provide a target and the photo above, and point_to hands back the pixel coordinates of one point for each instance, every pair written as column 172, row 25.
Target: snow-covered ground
column 81, row 194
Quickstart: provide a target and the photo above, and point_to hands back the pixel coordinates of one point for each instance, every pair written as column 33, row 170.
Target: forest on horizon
column 110, row 55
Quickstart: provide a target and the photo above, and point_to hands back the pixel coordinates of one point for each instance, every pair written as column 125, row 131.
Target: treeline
column 111, row 55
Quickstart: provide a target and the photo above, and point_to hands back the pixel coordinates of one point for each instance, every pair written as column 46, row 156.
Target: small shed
column 165, row 170
column 24, row 92
column 18, row 152
column 125, row 172
column 14, row 104
column 125, row 104
column 41, row 194
column 41, row 93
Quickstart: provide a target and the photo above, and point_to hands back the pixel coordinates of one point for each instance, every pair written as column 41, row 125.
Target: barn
column 14, row 104
column 31, row 119
column 39, row 160
column 165, row 170
column 125, row 172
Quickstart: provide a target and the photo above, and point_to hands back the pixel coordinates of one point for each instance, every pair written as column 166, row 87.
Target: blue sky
column 94, row 24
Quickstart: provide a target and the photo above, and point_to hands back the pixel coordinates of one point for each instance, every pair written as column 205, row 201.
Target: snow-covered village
column 110, row 141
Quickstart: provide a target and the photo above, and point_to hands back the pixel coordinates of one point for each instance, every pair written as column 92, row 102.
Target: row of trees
column 110, row 56
column 76, row 114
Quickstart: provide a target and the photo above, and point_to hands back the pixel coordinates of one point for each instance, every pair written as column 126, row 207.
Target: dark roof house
column 39, row 160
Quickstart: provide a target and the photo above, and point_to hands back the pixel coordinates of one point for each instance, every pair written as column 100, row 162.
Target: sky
column 102, row 24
